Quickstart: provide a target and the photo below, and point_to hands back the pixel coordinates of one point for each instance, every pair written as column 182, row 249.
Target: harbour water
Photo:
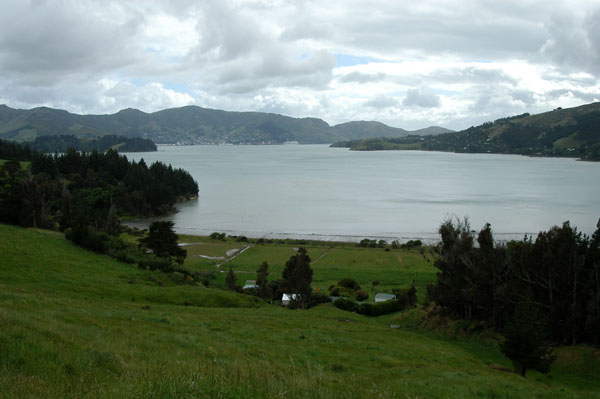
column 318, row 192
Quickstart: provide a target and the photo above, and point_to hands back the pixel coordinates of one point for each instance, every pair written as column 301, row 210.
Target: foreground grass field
column 78, row 325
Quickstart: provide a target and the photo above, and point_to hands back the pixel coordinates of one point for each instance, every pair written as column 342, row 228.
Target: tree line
column 89, row 189
column 536, row 291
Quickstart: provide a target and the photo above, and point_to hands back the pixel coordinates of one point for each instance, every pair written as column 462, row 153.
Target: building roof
column 384, row 297
column 289, row 297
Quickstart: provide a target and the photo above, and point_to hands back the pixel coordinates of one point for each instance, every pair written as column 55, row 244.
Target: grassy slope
column 68, row 328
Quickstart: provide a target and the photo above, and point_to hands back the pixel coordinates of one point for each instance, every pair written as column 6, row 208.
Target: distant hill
column 189, row 125
column 572, row 132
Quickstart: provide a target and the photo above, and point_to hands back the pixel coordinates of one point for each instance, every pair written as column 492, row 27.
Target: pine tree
column 231, row 279
column 162, row 240
column 526, row 334
column 297, row 276
column 261, row 280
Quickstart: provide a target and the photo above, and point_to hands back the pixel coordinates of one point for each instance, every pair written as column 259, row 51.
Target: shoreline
column 427, row 238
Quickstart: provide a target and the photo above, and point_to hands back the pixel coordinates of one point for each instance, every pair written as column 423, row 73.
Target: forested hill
column 190, row 125
column 85, row 190
column 65, row 142
column 572, row 132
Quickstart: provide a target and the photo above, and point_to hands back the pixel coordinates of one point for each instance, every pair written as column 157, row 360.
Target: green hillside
column 573, row 132
column 79, row 325
column 188, row 125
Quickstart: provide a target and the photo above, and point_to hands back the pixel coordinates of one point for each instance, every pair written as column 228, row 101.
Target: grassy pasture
column 70, row 329
column 393, row 269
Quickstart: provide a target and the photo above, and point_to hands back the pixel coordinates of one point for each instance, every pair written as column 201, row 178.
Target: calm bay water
column 313, row 191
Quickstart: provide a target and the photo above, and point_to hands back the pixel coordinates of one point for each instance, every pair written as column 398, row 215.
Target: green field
column 74, row 324
column 330, row 262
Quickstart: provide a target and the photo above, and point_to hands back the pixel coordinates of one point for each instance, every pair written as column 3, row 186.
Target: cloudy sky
column 409, row 64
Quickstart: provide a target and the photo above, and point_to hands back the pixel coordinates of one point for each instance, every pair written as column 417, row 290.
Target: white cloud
column 448, row 63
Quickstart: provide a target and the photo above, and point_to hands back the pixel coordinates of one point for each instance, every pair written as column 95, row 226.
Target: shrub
column 205, row 276
column 125, row 255
column 380, row 308
column 407, row 297
column 412, row 244
column 218, row 236
column 349, row 283
column 276, row 288
column 362, row 295
column 317, row 299
column 346, row 304
column 152, row 262
column 366, row 243
column 87, row 238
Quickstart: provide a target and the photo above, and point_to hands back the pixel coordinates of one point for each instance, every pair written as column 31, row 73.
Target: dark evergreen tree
column 261, row 280
column 162, row 240
column 526, row 340
column 231, row 279
column 297, row 276
column 455, row 289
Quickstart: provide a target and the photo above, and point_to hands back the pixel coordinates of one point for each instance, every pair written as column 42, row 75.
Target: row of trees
column 558, row 272
column 538, row 290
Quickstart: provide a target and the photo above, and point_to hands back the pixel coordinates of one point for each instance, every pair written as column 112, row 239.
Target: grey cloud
column 421, row 98
column 573, row 42
column 472, row 75
column 381, row 102
column 585, row 97
column 473, row 30
column 360, row 77
column 43, row 42
column 524, row 96
column 226, row 34
column 272, row 70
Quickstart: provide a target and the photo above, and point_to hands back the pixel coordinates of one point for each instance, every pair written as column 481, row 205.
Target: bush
column 346, row 304
column 152, row 262
column 408, row 297
column 412, row 244
column 88, row 238
column 366, row 243
column 276, row 288
column 349, row 283
column 218, row 236
column 380, row 308
column 362, row 295
column 125, row 255
column 205, row 276
column 317, row 299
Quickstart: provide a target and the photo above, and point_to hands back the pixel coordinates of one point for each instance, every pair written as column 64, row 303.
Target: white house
column 384, row 297
column 286, row 298
column 250, row 284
